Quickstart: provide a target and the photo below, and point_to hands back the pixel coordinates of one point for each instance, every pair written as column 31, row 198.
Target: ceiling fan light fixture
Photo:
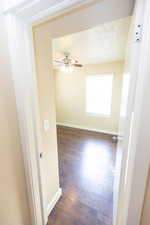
column 67, row 69
column 67, row 63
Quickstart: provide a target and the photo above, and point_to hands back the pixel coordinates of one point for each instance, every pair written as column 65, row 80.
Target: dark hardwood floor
column 86, row 163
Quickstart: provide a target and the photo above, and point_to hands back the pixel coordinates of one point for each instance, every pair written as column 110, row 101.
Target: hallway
column 86, row 163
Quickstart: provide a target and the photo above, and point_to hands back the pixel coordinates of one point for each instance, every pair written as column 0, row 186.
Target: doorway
column 88, row 98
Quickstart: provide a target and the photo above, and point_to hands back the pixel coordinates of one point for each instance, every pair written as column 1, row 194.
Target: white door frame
column 139, row 143
column 129, row 151
column 20, row 22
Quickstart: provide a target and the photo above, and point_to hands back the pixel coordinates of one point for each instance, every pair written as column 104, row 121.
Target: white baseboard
column 86, row 128
column 54, row 201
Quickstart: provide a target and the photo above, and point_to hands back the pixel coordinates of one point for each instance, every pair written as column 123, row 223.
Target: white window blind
column 99, row 94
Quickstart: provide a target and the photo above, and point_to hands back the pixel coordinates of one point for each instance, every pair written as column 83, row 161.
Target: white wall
column 13, row 195
column 71, row 97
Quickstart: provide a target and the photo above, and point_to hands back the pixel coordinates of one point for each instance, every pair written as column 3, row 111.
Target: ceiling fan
column 67, row 63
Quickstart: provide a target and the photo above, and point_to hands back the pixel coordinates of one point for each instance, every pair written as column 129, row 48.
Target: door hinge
column 138, row 33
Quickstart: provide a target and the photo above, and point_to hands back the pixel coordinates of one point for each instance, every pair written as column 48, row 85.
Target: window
column 99, row 94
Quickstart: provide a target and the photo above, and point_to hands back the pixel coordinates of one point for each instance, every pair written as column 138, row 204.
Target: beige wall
column 71, row 99
column 46, row 91
column 13, row 197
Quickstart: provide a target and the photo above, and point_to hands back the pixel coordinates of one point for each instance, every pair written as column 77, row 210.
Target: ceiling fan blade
column 78, row 65
column 58, row 61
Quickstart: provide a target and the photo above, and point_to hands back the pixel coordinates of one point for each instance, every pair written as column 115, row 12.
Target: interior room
column 88, row 71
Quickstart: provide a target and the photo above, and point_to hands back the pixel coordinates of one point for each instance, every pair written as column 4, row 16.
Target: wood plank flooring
column 86, row 164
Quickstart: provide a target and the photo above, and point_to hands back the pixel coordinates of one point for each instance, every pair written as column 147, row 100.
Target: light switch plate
column 46, row 125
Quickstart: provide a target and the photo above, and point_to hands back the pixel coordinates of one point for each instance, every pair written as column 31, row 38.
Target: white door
column 124, row 158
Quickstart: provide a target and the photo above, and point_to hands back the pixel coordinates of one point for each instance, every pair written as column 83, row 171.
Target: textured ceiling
column 104, row 43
